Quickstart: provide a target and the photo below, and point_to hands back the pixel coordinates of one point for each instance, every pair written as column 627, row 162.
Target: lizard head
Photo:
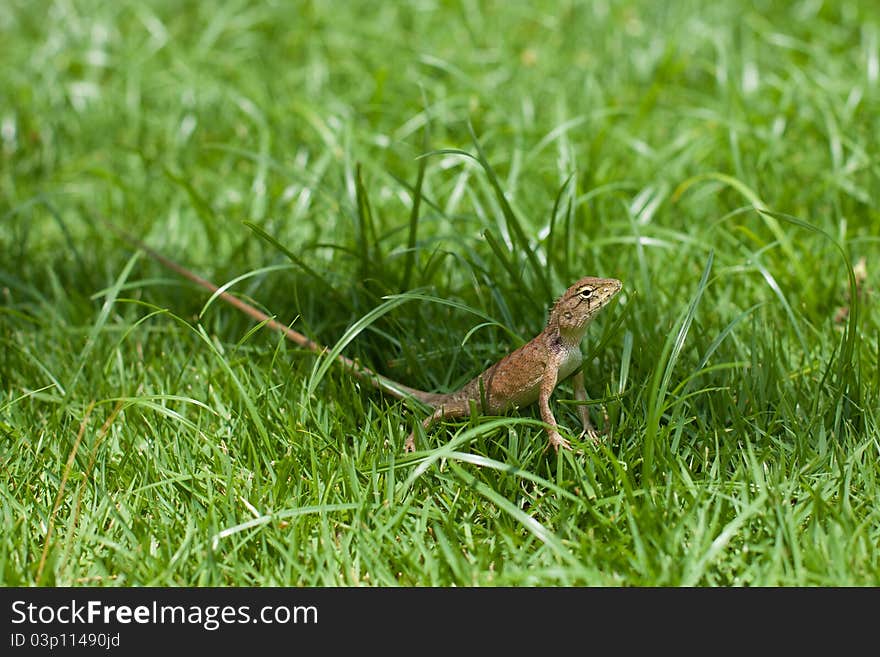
column 581, row 302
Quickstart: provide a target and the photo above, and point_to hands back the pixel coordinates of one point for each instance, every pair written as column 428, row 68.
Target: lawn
column 419, row 181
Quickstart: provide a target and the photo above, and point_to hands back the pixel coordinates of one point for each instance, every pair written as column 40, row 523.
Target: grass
column 463, row 163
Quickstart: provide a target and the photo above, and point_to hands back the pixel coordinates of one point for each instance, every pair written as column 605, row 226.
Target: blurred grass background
column 147, row 439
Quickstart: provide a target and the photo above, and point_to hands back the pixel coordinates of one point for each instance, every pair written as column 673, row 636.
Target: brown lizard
column 523, row 377
column 530, row 373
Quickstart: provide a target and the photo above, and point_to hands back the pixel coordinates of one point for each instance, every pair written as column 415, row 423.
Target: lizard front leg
column 548, row 383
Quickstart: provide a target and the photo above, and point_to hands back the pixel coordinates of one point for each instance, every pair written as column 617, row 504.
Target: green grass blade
column 299, row 262
column 663, row 372
column 322, row 365
column 101, row 321
column 513, row 223
column 411, row 254
column 530, row 524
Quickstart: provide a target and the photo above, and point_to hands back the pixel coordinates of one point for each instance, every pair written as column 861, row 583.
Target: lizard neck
column 566, row 347
column 567, row 339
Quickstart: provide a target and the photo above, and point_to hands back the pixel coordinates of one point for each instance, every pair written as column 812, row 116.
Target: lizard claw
column 593, row 434
column 557, row 441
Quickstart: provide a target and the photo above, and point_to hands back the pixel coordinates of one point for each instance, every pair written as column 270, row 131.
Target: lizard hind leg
column 410, row 444
column 580, row 394
column 446, row 409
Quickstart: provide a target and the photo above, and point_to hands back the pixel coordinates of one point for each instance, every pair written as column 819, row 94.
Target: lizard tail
column 399, row 390
column 386, row 385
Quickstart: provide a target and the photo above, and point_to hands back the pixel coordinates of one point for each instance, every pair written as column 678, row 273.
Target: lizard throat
column 570, row 338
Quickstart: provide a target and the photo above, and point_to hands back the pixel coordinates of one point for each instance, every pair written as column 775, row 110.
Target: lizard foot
column 410, row 445
column 593, row 434
column 557, row 441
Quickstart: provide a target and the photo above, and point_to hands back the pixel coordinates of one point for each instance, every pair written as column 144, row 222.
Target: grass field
column 422, row 179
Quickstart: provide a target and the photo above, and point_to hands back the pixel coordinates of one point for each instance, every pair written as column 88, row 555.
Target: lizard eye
column 585, row 292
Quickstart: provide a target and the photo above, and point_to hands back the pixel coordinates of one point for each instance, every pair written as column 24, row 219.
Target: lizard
column 530, row 373
column 525, row 376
